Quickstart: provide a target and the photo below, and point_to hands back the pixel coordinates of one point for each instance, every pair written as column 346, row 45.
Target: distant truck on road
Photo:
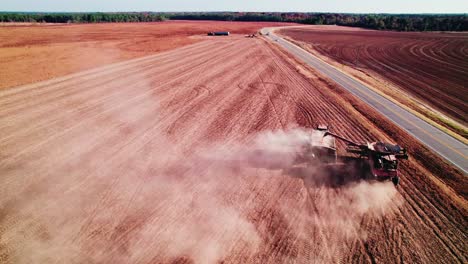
column 219, row 33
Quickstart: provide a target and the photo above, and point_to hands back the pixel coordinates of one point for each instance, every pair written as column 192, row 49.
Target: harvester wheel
column 365, row 171
column 396, row 180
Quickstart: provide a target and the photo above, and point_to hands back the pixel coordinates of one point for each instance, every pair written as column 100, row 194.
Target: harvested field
column 432, row 67
column 154, row 160
column 31, row 53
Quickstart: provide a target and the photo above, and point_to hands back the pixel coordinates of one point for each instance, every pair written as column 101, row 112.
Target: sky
column 339, row 6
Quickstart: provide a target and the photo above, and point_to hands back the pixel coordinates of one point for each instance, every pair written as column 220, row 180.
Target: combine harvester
column 375, row 161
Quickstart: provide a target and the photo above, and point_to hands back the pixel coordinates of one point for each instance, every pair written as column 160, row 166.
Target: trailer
column 219, row 33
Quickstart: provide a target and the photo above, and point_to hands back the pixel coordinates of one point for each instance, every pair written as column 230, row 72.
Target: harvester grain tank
column 219, row 33
column 323, row 146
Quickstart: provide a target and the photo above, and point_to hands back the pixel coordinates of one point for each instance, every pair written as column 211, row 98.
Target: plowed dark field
column 179, row 157
column 431, row 66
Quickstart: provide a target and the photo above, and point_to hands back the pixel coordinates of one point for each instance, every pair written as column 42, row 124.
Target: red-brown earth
column 432, row 67
column 156, row 160
column 31, row 53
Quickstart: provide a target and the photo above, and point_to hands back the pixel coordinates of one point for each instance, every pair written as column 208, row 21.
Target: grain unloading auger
column 378, row 160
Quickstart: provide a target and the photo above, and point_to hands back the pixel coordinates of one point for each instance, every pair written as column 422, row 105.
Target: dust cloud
column 121, row 196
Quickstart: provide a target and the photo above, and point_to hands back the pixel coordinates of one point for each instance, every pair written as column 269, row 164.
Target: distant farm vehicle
column 219, row 33
column 375, row 161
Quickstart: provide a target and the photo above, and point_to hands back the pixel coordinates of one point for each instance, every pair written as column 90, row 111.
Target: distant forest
column 400, row 22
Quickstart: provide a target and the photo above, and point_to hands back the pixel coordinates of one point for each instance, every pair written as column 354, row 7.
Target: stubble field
column 31, row 53
column 173, row 158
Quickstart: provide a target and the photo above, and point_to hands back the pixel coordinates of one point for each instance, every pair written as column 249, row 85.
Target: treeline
column 396, row 22
column 415, row 22
column 81, row 17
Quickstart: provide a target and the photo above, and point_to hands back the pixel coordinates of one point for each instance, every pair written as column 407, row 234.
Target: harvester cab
column 379, row 160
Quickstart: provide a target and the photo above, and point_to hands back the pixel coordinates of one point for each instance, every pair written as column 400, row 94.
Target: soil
column 31, row 53
column 156, row 159
column 431, row 67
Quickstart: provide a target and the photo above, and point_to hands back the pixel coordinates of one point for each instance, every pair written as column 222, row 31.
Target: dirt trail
column 153, row 161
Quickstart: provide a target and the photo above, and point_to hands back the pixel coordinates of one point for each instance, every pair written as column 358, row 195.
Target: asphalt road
column 451, row 149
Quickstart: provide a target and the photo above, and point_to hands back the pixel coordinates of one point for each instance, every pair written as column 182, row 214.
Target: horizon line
column 303, row 12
